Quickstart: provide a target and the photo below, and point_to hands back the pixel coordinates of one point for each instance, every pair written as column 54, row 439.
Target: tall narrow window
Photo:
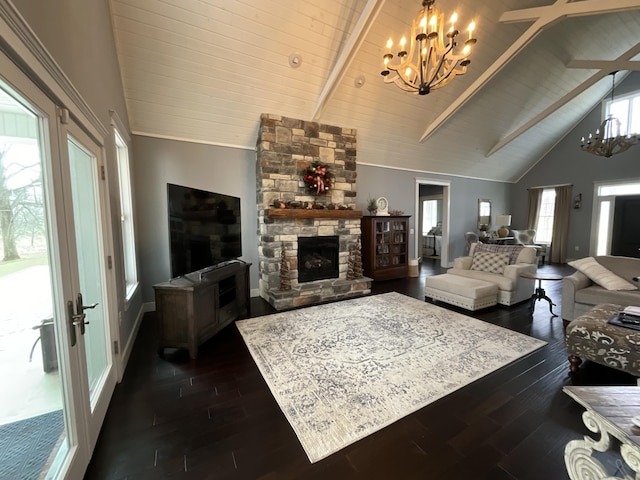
column 429, row 215
column 126, row 215
column 603, row 240
column 544, row 226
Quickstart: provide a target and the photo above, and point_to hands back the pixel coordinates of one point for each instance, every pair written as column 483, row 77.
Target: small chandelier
column 430, row 63
column 607, row 140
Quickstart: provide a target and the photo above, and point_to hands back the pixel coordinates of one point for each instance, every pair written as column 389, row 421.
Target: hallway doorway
column 432, row 225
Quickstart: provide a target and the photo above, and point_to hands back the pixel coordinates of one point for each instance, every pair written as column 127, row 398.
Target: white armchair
column 512, row 288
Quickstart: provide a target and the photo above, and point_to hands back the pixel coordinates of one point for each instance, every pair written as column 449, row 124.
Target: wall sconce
column 577, row 201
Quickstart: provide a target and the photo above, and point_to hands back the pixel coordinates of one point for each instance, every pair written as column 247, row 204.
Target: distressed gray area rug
column 344, row 370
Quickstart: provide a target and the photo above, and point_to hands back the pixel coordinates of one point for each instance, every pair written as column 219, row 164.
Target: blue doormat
column 26, row 445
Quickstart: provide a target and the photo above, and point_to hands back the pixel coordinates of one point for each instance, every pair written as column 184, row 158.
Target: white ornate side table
column 609, row 411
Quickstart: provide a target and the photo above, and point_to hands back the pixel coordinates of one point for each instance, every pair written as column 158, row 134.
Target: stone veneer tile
column 285, row 147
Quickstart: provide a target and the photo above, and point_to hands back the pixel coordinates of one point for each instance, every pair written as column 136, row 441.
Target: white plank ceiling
column 204, row 71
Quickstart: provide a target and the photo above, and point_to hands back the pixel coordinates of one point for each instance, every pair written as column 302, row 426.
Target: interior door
column 625, row 235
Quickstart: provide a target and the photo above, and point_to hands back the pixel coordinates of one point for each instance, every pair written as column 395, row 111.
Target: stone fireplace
column 286, row 147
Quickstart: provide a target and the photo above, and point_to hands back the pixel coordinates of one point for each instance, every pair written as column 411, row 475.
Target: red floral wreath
column 317, row 178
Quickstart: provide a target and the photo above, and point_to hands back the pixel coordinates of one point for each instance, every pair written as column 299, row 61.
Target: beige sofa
column 511, row 288
column 580, row 294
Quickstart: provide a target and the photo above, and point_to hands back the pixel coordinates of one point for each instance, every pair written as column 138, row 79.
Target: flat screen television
column 204, row 229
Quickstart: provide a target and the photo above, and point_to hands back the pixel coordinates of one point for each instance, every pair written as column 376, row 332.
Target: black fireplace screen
column 318, row 258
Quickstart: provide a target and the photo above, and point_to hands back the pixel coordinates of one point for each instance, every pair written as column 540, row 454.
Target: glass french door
column 55, row 361
column 88, row 309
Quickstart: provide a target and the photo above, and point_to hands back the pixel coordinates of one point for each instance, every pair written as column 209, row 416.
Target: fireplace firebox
column 318, row 258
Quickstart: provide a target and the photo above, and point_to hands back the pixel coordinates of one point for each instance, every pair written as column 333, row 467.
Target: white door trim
column 446, row 208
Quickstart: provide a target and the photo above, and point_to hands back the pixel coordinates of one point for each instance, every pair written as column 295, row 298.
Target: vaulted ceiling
column 204, row 71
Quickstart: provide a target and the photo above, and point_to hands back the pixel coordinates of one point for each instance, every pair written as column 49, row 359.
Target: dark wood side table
column 540, row 294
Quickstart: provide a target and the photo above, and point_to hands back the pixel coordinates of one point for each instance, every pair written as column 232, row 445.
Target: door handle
column 71, row 322
column 77, row 318
column 80, row 307
column 80, row 316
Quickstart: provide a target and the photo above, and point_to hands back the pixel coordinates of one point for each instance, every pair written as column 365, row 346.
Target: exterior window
column 544, row 227
column 429, row 215
column 606, row 198
column 126, row 216
column 613, row 189
column 627, row 110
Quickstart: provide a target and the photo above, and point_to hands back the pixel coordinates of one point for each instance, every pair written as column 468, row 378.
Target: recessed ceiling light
column 359, row 81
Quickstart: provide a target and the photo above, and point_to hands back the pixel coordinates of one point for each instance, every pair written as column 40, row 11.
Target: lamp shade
column 503, row 220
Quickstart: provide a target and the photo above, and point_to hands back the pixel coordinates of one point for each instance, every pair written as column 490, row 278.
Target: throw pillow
column 490, row 262
column 513, row 251
column 600, row 275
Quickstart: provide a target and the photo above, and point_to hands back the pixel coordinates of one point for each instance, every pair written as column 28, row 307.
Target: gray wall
column 79, row 36
column 217, row 169
column 232, row 172
column 567, row 163
column 399, row 186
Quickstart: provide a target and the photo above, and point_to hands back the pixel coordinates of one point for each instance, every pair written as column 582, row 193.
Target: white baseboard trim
column 149, row 307
column 128, row 346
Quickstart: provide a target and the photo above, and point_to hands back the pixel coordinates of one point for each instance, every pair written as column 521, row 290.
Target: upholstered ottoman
column 590, row 337
column 461, row 291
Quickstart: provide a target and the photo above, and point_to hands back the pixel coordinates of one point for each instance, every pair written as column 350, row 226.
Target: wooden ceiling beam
column 348, row 53
column 604, row 67
column 543, row 17
column 575, row 9
column 611, row 65
column 592, row 80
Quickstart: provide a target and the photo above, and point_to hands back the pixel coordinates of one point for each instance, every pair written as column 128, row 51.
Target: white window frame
column 604, row 199
column 632, row 113
column 121, row 143
column 544, row 235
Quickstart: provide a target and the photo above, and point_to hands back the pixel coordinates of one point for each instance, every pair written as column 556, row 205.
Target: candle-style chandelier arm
column 430, row 63
column 608, row 140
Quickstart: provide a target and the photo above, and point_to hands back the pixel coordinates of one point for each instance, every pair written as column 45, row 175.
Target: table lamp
column 505, row 221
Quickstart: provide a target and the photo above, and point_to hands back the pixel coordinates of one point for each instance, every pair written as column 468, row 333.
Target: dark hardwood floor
column 215, row 418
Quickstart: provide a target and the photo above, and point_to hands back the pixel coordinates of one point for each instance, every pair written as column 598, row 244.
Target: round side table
column 540, row 294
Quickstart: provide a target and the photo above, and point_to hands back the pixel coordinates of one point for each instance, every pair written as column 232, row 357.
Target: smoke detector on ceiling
column 295, row 60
